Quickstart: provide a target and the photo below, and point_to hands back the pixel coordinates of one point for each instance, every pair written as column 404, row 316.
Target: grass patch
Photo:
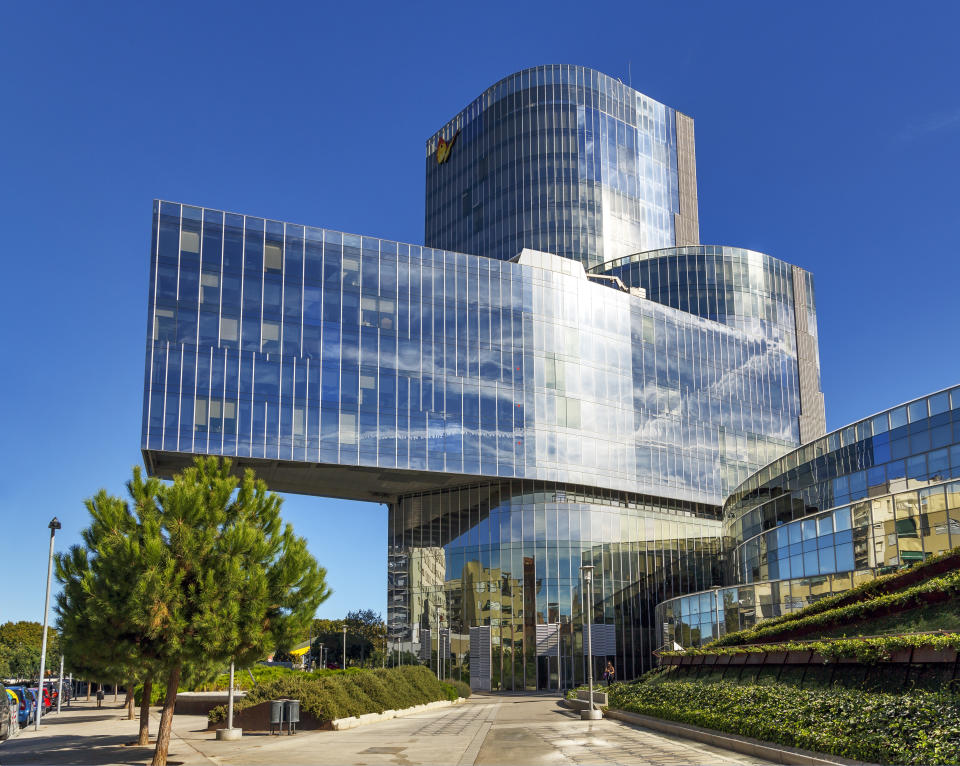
column 895, row 679
column 921, row 619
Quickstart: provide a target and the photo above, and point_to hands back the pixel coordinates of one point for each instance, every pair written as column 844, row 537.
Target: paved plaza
column 484, row 730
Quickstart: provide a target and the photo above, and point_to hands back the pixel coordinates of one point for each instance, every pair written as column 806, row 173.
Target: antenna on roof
column 629, row 74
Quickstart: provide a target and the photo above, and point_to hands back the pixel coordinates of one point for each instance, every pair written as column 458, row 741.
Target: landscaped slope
column 817, row 678
column 931, row 583
column 916, row 728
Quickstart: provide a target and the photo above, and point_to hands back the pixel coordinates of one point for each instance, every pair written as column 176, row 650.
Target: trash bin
column 276, row 715
column 292, row 714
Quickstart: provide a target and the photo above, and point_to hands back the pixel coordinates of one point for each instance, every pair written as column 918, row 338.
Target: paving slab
column 486, row 730
column 88, row 736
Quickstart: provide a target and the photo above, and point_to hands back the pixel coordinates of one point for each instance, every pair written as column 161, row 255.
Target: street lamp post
column 230, row 733
column 591, row 713
column 344, row 647
column 54, row 525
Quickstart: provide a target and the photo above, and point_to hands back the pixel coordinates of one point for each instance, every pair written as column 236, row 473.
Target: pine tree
column 224, row 578
column 195, row 574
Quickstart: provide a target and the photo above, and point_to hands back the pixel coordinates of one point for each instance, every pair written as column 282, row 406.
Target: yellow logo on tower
column 444, row 147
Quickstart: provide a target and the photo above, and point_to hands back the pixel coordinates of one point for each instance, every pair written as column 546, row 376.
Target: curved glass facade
column 865, row 499
column 742, row 288
column 566, row 160
column 751, row 291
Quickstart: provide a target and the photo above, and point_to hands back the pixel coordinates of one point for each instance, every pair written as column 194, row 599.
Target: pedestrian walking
column 610, row 674
column 99, row 695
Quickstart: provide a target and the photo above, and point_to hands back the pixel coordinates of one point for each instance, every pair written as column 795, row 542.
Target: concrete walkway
column 485, row 730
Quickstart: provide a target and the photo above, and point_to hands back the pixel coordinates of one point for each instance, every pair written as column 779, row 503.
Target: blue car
column 27, row 710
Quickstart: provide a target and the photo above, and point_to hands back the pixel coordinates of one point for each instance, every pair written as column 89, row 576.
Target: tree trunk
column 88, row 691
column 129, row 702
column 166, row 719
column 144, row 738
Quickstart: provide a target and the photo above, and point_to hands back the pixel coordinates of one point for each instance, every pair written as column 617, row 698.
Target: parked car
column 27, row 705
column 6, row 724
column 47, row 696
column 51, row 687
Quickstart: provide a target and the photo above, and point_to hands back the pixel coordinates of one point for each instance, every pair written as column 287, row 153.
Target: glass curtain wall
column 274, row 341
column 508, row 556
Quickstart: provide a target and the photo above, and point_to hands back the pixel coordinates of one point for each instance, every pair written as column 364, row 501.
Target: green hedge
column 865, row 649
column 339, row 695
column 948, row 584
column 913, row 728
column 462, row 688
column 867, row 592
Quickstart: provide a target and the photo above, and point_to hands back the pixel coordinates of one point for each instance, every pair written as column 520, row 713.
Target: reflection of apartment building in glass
column 863, row 500
column 518, row 414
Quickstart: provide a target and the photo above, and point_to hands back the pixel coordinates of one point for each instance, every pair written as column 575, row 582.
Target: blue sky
column 828, row 135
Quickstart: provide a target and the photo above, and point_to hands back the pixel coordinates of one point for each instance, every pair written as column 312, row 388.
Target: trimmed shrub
column 463, row 689
column 913, row 728
column 866, row 649
column 328, row 695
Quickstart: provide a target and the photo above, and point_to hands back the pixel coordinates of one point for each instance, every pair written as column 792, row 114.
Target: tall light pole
column 54, row 525
column 591, row 713
column 344, row 647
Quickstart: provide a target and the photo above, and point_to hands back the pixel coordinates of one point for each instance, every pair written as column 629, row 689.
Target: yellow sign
column 444, row 148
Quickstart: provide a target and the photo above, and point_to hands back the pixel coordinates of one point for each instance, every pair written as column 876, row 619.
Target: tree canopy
column 20, row 649
column 366, row 634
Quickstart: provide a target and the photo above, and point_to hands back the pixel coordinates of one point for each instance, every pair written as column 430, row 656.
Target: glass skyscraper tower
column 561, row 376
column 566, row 160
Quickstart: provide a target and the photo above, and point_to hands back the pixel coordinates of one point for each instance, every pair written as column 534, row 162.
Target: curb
column 747, row 745
column 340, row 724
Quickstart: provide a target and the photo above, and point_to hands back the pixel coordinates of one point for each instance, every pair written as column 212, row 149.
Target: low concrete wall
column 768, row 751
column 257, row 718
column 201, row 703
column 599, row 698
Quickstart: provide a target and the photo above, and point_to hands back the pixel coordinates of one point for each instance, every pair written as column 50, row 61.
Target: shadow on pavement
column 80, row 749
column 54, row 721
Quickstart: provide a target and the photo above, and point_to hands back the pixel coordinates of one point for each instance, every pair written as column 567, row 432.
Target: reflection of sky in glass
column 598, row 161
column 281, row 342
